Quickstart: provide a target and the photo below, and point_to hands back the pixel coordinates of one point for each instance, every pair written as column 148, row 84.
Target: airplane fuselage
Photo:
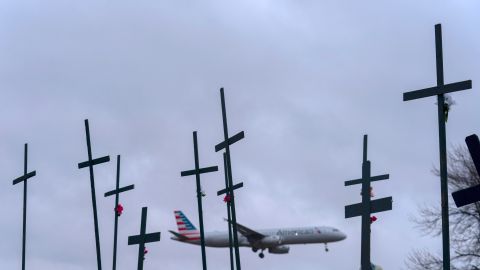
column 273, row 237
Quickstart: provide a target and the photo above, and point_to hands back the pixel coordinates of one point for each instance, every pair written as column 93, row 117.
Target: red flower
column 119, row 209
column 145, row 251
column 373, row 219
column 227, row 198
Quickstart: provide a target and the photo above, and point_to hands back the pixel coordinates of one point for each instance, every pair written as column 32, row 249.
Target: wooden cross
column 367, row 206
column 471, row 194
column 439, row 91
column 197, row 171
column 143, row 238
column 230, row 188
column 117, row 192
column 90, row 163
column 24, row 179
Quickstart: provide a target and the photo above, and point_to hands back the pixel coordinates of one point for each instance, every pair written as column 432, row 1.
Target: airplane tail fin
column 185, row 227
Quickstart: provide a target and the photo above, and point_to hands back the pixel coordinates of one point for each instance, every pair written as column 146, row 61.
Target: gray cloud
column 304, row 80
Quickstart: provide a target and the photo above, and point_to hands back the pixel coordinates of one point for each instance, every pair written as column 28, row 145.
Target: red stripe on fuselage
column 183, row 229
column 193, row 239
column 190, row 233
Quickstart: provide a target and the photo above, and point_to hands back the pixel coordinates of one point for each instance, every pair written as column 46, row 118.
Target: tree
column 464, row 221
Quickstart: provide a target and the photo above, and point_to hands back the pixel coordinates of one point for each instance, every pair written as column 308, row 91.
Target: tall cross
column 197, row 171
column 230, row 188
column 143, row 238
column 367, row 206
column 90, row 163
column 117, row 192
column 24, row 179
column 439, row 91
column 229, row 213
column 471, row 194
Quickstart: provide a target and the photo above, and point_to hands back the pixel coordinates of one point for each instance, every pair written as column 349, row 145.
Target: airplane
column 275, row 240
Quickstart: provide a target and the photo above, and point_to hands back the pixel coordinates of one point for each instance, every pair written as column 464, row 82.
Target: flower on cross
column 119, row 209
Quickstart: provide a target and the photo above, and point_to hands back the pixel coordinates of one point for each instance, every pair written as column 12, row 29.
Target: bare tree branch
column 464, row 222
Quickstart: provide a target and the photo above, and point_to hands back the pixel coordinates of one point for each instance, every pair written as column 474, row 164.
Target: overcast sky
column 304, row 79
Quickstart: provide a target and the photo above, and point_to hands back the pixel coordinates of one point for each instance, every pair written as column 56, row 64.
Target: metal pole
column 365, row 146
column 443, row 150
column 94, row 202
column 366, row 216
column 24, row 207
column 366, row 231
column 229, row 169
column 116, row 216
column 141, row 246
column 199, row 200
column 228, row 213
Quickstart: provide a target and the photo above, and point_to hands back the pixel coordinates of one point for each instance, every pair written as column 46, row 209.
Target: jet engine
column 279, row 250
column 272, row 240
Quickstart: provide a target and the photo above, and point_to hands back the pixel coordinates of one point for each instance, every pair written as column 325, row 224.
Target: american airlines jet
column 275, row 240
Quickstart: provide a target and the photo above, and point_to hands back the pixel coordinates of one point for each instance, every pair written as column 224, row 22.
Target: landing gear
column 326, row 247
column 261, row 255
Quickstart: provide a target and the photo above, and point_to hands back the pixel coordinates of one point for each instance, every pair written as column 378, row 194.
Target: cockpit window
column 335, row 230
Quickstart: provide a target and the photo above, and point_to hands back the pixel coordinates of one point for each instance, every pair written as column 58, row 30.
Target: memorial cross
column 229, row 190
column 197, row 171
column 439, row 91
column 367, row 206
column 143, row 238
column 117, row 192
column 24, row 179
column 90, row 163
column 471, row 194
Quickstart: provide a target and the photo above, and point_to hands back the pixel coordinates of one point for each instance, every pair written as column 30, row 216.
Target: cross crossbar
column 466, row 196
column 371, row 179
column 437, row 90
column 93, row 162
column 474, row 148
column 225, row 190
column 380, row 205
column 471, row 194
column 146, row 238
column 235, row 138
column 199, row 171
column 120, row 190
column 24, row 177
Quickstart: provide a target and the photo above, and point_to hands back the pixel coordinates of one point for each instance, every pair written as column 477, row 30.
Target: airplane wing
column 250, row 234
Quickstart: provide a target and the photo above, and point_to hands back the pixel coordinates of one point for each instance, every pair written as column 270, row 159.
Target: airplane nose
column 342, row 236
